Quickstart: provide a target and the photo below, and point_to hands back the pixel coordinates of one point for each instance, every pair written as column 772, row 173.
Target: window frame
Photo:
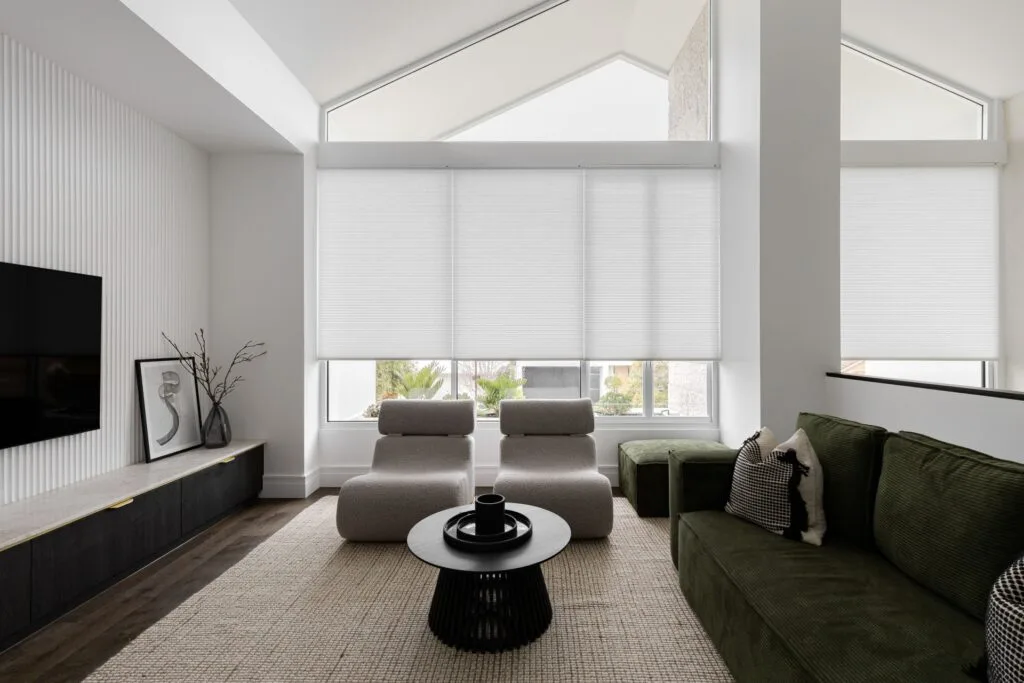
column 648, row 419
column 990, row 122
column 500, row 27
column 991, row 377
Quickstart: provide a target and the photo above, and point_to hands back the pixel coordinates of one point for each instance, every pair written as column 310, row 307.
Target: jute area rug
column 307, row 606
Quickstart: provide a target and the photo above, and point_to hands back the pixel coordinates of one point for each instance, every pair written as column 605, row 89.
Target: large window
column 883, row 101
column 579, row 71
column 919, row 273
column 616, row 101
column 968, row 373
column 919, row 241
column 679, row 389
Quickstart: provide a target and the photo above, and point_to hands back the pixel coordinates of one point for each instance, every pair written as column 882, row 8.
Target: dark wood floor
column 72, row 647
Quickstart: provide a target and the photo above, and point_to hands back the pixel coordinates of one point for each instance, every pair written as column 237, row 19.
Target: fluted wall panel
column 91, row 186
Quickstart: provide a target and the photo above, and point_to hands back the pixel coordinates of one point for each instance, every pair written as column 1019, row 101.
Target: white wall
column 780, row 209
column 92, row 186
column 1012, row 248
column 983, row 423
column 799, row 205
column 737, row 42
column 347, row 449
column 257, row 291
column 310, row 362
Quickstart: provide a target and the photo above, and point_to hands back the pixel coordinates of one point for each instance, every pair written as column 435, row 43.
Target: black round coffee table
column 490, row 602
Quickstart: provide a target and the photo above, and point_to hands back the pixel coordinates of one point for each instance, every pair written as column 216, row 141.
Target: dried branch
column 248, row 353
column 206, row 374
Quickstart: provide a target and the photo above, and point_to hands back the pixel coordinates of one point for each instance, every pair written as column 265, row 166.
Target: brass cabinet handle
column 226, row 460
column 118, row 506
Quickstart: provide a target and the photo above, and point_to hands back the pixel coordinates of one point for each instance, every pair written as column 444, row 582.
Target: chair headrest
column 413, row 417
column 549, row 417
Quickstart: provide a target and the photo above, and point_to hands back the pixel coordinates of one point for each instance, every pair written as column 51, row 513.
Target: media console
column 60, row 548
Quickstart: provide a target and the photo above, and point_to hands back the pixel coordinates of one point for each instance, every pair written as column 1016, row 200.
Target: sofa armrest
column 698, row 479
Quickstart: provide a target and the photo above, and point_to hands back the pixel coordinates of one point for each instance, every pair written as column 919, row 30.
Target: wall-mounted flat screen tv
column 50, row 324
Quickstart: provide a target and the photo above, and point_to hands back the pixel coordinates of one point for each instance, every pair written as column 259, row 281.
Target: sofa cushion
column 698, row 479
column 850, row 454
column 834, row 613
column 951, row 518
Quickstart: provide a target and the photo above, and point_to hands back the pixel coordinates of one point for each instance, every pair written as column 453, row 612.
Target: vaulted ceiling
column 336, row 46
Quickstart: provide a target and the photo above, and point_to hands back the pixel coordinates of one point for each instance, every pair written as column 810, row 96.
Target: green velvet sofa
column 918, row 531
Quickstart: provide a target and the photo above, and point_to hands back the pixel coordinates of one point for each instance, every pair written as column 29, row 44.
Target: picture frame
column 169, row 406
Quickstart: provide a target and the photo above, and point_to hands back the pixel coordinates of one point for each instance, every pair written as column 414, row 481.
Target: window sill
column 953, row 388
column 602, row 424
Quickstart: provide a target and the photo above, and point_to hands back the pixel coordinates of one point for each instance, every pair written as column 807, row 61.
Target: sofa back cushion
column 850, row 454
column 950, row 518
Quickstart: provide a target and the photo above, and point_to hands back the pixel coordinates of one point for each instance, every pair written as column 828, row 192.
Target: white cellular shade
column 385, row 264
column 652, row 264
column 518, row 264
column 920, row 263
column 526, row 264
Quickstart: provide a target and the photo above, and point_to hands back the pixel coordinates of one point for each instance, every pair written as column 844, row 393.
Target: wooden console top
column 26, row 519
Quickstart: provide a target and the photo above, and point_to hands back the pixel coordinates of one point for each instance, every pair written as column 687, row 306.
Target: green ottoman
column 643, row 471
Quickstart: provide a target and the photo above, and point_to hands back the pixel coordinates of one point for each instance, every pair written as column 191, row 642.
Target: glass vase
column 216, row 428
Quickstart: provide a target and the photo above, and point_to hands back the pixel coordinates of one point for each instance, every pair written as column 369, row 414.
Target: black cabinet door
column 73, row 563
column 15, row 603
column 148, row 527
column 209, row 494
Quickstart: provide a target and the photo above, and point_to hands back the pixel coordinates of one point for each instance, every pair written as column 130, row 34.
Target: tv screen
column 50, row 325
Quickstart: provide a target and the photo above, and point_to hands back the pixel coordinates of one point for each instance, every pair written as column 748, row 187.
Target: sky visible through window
column 617, row 101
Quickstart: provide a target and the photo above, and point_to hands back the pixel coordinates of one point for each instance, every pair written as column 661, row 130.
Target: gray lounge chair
column 422, row 463
column 549, row 459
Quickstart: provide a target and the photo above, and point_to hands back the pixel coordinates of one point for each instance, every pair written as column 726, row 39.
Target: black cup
column 490, row 514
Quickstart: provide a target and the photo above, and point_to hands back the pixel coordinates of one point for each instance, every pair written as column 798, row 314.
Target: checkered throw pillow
column 1004, row 626
column 779, row 486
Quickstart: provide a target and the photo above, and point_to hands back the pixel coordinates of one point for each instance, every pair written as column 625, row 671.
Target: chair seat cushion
column 384, row 506
column 583, row 498
column 834, row 613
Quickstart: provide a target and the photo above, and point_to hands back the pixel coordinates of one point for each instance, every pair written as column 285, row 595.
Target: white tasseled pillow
column 779, row 486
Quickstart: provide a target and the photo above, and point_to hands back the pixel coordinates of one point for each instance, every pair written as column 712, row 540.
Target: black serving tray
column 460, row 533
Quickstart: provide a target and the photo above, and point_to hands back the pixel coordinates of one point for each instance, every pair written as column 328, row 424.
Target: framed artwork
column 169, row 405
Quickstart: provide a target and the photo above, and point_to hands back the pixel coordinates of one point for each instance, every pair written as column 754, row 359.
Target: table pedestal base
column 490, row 612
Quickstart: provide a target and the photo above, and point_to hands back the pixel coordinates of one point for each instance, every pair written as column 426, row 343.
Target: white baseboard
column 290, row 485
column 335, row 475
